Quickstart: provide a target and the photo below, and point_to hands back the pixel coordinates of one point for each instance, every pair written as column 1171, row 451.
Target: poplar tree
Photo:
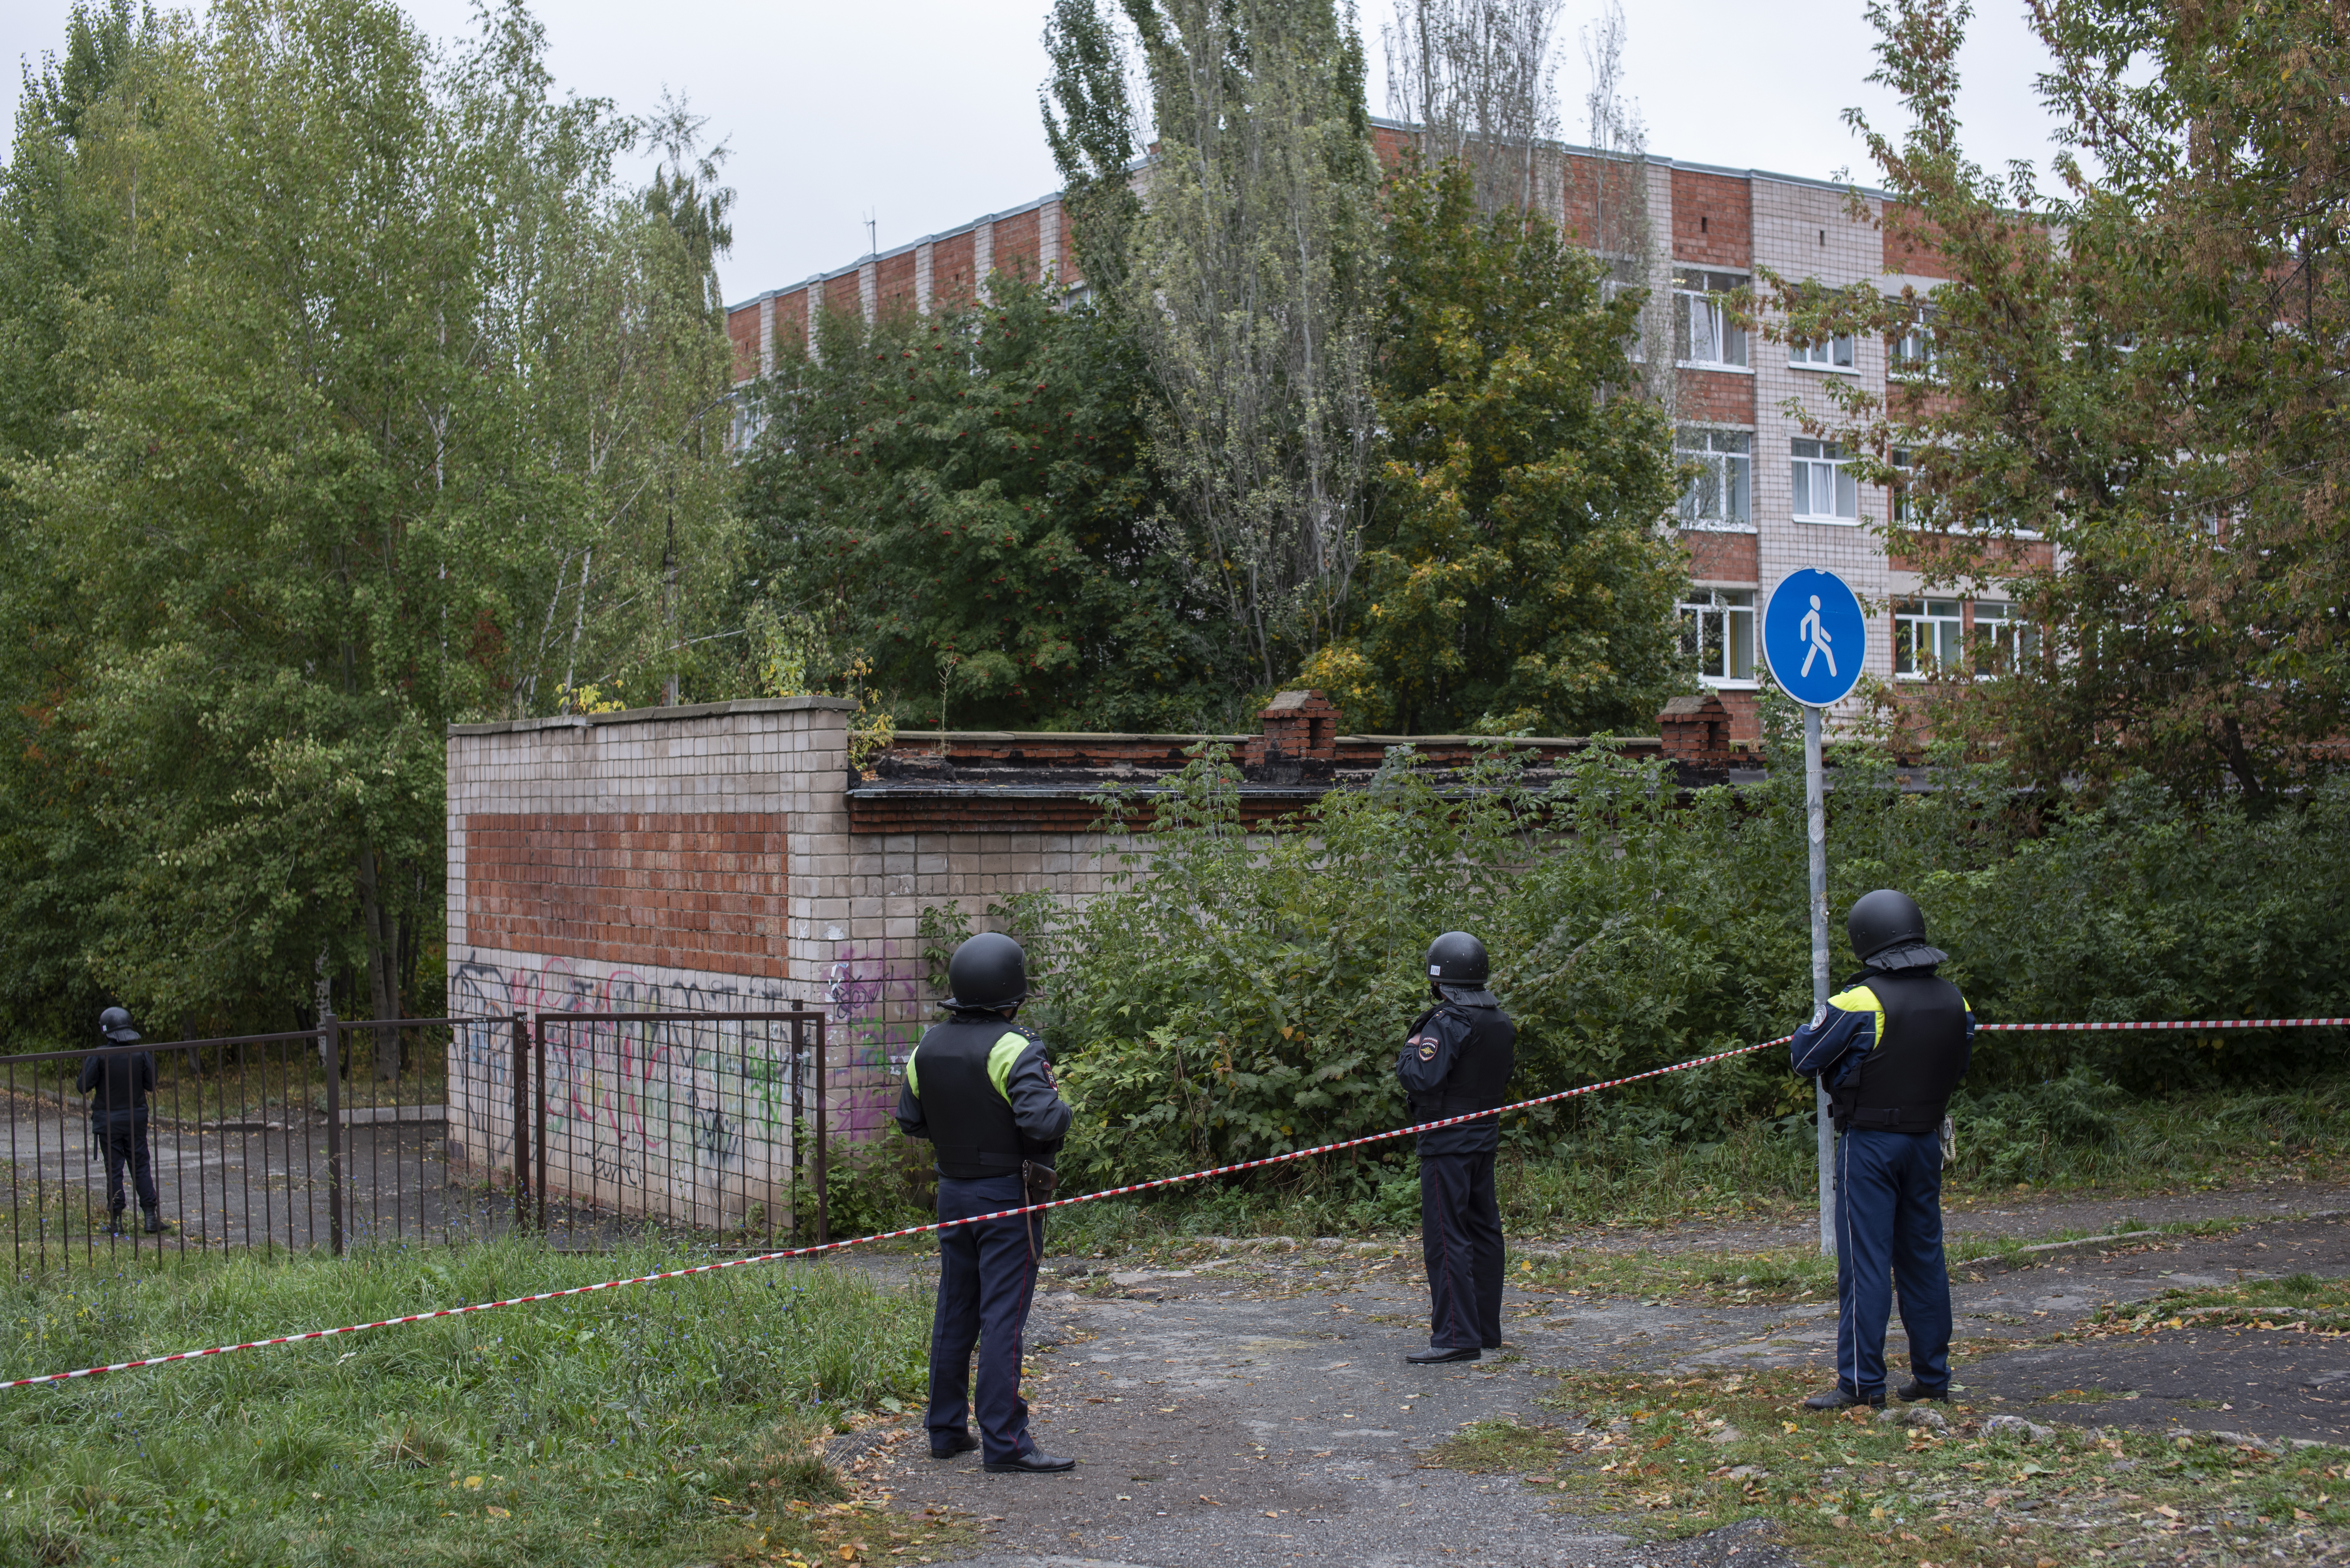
column 1253, row 277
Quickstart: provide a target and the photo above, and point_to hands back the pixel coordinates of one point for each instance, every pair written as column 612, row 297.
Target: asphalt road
column 1258, row 1410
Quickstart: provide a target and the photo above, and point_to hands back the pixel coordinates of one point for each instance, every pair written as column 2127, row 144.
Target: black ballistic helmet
column 1458, row 968
column 987, row 970
column 114, row 1024
column 1888, row 931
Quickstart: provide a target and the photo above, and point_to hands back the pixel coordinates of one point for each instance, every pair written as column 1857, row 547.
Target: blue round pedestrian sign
column 1814, row 636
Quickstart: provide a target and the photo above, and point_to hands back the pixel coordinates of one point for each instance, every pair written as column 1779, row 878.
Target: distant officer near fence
column 118, row 1083
column 1889, row 1049
column 981, row 1089
column 1458, row 1059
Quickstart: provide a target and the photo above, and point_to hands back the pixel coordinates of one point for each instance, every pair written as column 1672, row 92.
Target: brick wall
column 742, row 333
column 1716, row 397
column 893, row 284
column 666, row 860
column 792, row 321
column 952, row 281
column 1720, row 557
column 1910, row 244
column 845, row 292
column 1712, row 222
column 1015, row 252
column 671, row 889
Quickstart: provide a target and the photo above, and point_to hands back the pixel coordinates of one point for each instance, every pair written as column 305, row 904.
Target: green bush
column 1233, row 995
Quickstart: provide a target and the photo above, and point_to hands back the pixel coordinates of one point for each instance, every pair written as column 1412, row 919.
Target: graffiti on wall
column 684, row 1118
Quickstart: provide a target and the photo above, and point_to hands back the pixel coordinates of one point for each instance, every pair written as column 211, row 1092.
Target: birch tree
column 410, row 393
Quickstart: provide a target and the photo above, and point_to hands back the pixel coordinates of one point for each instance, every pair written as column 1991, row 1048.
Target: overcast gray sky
column 922, row 113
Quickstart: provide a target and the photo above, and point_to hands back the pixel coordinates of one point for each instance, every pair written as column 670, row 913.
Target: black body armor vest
column 970, row 1124
column 1479, row 1081
column 1905, row 1084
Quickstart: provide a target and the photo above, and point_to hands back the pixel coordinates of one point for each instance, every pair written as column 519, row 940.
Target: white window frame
column 1835, row 356
column 1913, row 356
column 1997, row 626
column 1704, row 337
column 1729, row 454
column 1720, row 622
column 1929, row 637
column 1812, row 463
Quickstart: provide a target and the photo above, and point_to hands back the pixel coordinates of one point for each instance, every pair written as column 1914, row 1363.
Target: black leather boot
column 1836, row 1398
column 1912, row 1391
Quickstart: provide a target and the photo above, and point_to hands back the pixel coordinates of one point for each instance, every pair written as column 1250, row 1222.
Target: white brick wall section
column 767, row 335
column 1048, row 239
column 924, row 277
column 1804, row 232
column 982, row 257
column 869, row 274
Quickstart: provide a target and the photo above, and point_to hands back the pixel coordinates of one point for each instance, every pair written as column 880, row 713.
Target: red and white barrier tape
column 49, row 1378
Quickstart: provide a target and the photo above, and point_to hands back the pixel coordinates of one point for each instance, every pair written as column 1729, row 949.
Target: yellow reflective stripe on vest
column 913, row 1084
column 1000, row 1059
column 1860, row 998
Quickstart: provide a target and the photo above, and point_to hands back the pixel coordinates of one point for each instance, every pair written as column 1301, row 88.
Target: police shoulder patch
column 1428, row 1050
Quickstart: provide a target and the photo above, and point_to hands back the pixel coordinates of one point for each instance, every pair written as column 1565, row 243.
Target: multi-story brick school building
column 1770, row 499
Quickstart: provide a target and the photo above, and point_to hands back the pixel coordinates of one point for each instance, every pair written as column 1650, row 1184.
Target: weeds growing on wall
column 1245, row 994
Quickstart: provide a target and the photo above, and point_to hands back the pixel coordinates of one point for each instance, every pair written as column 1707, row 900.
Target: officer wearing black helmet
column 981, row 1090
column 118, row 1117
column 1889, row 1049
column 1457, row 1059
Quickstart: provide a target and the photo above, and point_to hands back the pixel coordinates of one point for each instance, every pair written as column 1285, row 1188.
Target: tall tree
column 955, row 509
column 390, row 446
column 1517, row 577
column 1253, row 285
column 1475, row 81
column 2125, row 405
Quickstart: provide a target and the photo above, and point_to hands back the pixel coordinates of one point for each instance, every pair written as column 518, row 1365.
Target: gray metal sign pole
column 1816, row 834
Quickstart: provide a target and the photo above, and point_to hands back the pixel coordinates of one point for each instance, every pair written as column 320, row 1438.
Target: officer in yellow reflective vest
column 1889, row 1049
column 981, row 1090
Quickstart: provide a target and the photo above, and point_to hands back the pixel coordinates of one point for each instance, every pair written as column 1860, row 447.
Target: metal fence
column 587, row 1128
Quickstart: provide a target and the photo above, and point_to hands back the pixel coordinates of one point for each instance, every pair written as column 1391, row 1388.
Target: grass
column 1663, row 1458
column 1759, row 1174
column 656, row 1425
column 2299, row 1303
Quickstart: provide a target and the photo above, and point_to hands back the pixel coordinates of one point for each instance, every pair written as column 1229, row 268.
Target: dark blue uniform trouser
column 987, row 1276
column 124, row 1138
column 1888, row 1220
column 1461, row 1240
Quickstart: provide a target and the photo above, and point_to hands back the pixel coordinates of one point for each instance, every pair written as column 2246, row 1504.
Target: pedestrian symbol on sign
column 1811, row 628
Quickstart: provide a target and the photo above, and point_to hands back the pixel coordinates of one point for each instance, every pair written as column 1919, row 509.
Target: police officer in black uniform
column 1457, row 1059
column 1890, row 1048
column 981, row 1090
column 118, row 1117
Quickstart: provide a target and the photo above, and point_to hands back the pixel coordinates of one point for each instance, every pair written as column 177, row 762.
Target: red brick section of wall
column 700, row 890
column 1720, row 557
column 893, row 284
column 1696, row 731
column 950, row 262
column 1015, row 253
column 2033, row 554
column 1718, row 397
column 1910, row 244
column 743, row 332
column 1587, row 179
column 791, row 321
column 844, row 293
column 1713, row 219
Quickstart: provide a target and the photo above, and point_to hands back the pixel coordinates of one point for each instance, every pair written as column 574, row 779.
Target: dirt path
column 1257, row 1410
